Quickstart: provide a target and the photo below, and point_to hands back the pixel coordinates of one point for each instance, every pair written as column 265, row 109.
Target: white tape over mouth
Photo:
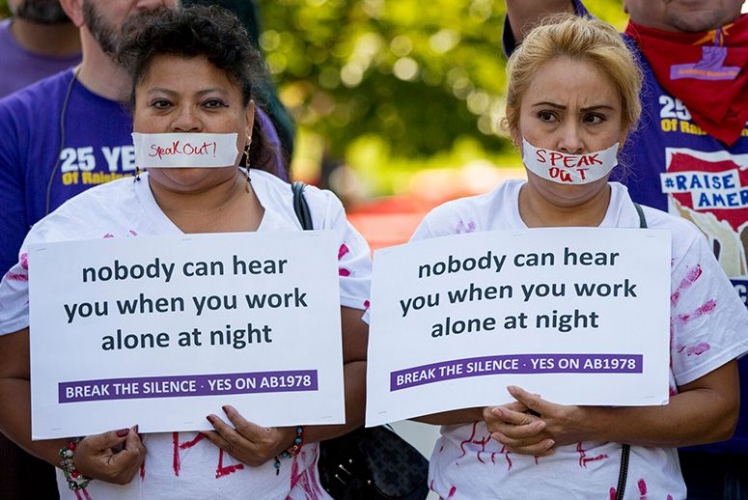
column 185, row 150
column 566, row 168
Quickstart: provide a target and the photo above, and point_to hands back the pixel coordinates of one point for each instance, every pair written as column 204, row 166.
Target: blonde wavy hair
column 581, row 39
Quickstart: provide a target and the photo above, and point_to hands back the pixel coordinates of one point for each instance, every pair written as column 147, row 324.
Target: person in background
column 39, row 40
column 573, row 89
column 193, row 71
column 690, row 150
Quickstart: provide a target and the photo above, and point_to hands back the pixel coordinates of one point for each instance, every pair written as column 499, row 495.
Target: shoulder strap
column 626, row 450
column 642, row 219
column 301, row 207
column 624, row 472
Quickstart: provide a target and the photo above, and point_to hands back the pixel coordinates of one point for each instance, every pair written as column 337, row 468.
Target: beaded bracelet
column 294, row 450
column 76, row 480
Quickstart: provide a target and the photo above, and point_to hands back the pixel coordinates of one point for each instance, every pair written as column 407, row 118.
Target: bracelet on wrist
column 294, row 450
column 75, row 479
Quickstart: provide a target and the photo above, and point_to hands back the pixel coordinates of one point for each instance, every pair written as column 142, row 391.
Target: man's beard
column 41, row 12
column 105, row 33
column 102, row 31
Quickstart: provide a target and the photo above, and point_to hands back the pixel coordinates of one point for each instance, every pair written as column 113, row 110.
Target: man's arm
column 521, row 15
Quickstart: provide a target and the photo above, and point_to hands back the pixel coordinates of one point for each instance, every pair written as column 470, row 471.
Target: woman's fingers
column 113, row 456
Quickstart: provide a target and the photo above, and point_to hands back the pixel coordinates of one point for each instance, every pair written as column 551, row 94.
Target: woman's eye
column 594, row 119
column 546, row 116
column 214, row 103
column 160, row 104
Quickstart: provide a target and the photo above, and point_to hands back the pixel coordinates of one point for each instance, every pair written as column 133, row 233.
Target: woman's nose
column 570, row 139
column 186, row 120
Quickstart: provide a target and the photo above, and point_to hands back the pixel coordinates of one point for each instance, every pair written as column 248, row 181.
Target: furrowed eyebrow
column 597, row 107
column 549, row 104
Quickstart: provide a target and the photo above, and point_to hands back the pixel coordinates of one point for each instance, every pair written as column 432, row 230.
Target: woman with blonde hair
column 573, row 90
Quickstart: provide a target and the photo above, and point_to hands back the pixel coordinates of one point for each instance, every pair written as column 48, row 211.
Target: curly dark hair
column 202, row 31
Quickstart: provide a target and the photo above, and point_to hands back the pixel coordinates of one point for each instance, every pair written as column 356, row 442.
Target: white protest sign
column 577, row 315
column 163, row 331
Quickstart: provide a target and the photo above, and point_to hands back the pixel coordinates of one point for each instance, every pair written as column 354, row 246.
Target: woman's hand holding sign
column 532, row 426
column 247, row 442
column 97, row 457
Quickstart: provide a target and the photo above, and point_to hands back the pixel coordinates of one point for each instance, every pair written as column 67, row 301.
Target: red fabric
column 706, row 71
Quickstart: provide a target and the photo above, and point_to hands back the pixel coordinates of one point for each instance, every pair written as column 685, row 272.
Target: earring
column 245, row 158
column 244, row 162
column 137, row 173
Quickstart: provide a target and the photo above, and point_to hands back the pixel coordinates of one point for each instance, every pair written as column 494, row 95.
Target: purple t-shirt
column 675, row 166
column 20, row 68
column 47, row 157
column 39, row 169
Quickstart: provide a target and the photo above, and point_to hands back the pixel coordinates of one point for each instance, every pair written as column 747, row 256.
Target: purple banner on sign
column 187, row 386
column 516, row 364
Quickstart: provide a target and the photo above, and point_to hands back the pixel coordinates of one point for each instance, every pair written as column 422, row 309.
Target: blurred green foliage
column 402, row 82
column 420, row 74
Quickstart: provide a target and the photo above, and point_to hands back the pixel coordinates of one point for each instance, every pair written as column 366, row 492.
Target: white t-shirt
column 183, row 465
column 709, row 325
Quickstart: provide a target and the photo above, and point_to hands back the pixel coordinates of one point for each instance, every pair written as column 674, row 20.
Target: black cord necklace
column 63, row 112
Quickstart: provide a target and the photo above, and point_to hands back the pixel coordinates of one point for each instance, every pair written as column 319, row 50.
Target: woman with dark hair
column 194, row 72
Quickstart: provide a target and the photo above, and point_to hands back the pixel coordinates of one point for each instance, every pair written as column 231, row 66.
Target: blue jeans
column 712, row 476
